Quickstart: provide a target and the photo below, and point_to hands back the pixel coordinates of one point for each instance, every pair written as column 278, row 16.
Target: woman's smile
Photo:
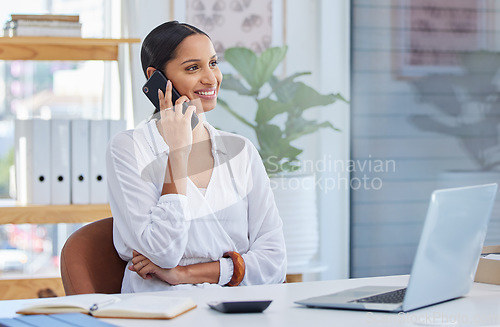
column 209, row 94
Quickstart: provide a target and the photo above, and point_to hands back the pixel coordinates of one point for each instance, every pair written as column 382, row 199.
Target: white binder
column 33, row 176
column 80, row 161
column 115, row 127
column 60, row 161
column 99, row 136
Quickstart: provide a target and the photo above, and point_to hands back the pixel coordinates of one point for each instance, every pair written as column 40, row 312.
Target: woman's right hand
column 174, row 126
column 147, row 269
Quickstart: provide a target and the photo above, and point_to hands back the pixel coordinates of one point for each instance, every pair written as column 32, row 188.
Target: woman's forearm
column 200, row 273
column 192, row 274
column 175, row 180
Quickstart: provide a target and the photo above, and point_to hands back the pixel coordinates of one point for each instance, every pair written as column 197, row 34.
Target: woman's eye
column 214, row 63
column 192, row 68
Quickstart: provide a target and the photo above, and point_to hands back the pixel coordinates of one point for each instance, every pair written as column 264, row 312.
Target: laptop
column 445, row 262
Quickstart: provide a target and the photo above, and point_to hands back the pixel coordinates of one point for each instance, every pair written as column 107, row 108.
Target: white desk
column 481, row 307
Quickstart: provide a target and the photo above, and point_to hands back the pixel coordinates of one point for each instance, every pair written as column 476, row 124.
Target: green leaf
column 268, row 108
column 306, row 97
column 234, row 84
column 244, row 61
column 273, row 144
column 286, row 150
column 300, row 127
column 279, row 156
column 266, row 65
column 272, row 164
column 285, row 89
column 268, row 134
column 340, row 97
column 289, row 166
column 224, row 105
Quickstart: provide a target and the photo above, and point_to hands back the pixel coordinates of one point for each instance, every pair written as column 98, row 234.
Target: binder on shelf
column 32, row 152
column 80, row 170
column 60, row 161
column 99, row 136
column 115, row 127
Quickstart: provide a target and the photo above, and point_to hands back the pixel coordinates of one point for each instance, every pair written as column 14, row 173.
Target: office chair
column 89, row 261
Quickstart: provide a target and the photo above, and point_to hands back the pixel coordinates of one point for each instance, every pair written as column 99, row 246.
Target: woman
column 191, row 207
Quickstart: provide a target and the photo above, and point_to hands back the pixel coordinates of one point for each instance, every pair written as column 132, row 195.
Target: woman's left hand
column 147, row 270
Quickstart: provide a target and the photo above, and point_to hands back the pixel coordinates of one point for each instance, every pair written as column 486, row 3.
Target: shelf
column 14, row 289
column 60, row 48
column 53, row 214
column 51, row 48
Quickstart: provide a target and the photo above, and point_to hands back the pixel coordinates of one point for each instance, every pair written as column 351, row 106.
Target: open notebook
column 110, row 306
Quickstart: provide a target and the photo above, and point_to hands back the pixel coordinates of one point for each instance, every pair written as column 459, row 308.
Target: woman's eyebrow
column 195, row 60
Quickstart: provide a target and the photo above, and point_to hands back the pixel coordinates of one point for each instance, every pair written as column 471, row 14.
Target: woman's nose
column 209, row 78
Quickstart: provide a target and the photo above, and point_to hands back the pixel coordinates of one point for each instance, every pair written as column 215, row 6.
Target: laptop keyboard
column 396, row 296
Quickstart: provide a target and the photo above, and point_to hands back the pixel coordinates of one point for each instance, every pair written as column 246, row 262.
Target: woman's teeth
column 207, row 92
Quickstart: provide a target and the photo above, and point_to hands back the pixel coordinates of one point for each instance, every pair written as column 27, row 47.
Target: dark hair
column 160, row 45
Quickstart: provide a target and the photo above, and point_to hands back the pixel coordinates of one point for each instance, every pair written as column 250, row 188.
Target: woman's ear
column 149, row 71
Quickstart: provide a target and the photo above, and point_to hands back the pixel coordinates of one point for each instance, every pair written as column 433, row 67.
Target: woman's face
column 194, row 71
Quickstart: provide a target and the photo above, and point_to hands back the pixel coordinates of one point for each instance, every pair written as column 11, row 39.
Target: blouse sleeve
column 144, row 220
column 265, row 260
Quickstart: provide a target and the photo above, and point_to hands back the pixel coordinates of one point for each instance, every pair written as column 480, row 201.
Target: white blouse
column 236, row 213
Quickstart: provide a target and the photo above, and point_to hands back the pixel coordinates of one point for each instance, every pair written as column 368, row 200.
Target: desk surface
column 481, row 307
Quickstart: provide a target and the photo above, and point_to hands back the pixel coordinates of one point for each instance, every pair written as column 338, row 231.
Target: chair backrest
column 89, row 261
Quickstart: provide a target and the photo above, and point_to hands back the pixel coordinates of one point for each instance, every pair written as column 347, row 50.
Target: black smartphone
column 158, row 81
column 240, row 306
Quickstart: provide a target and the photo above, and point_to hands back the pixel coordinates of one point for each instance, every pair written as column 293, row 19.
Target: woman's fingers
column 181, row 100
column 164, row 107
column 166, row 99
column 146, row 272
column 142, row 265
column 164, row 111
column 190, row 111
column 137, row 256
column 138, row 262
column 161, row 100
column 168, row 94
column 173, row 127
column 178, row 105
column 143, row 268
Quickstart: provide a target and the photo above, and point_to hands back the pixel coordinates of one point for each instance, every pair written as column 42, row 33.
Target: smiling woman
column 194, row 71
column 183, row 55
column 191, row 206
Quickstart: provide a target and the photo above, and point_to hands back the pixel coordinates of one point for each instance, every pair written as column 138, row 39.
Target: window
column 48, row 89
column 425, row 115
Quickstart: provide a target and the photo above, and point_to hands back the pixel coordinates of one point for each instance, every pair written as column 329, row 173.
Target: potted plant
column 283, row 96
column 289, row 98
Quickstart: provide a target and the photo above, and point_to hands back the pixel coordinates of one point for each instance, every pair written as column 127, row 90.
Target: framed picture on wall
column 429, row 34
column 255, row 24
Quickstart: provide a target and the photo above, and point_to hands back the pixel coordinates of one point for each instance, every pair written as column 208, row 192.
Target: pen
column 96, row 305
